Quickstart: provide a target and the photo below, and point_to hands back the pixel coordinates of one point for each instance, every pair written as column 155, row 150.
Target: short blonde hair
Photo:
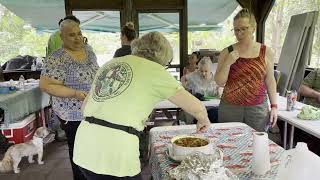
column 205, row 61
column 154, row 47
column 245, row 13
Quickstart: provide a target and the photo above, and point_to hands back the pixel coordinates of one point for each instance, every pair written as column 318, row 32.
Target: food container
column 182, row 145
column 4, row 90
column 21, row 131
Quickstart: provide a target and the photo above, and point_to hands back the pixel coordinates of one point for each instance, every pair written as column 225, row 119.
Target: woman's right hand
column 203, row 126
column 232, row 57
column 80, row 95
column 193, row 106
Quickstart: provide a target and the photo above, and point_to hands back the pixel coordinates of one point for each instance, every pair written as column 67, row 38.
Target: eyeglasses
column 240, row 29
column 168, row 65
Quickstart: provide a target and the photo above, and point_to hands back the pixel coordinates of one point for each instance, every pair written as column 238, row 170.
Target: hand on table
column 203, row 126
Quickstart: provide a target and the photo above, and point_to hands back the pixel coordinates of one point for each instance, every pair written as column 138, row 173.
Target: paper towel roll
column 261, row 157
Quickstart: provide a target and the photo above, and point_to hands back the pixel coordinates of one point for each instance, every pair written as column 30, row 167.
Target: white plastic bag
column 299, row 164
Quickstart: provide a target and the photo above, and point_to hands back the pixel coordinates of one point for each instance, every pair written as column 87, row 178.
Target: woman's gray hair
column 66, row 23
column 154, row 47
column 205, row 61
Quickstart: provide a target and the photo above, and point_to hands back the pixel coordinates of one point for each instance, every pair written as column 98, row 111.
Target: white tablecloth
column 309, row 126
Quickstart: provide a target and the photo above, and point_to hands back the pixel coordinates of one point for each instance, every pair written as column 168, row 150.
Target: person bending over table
column 123, row 94
column 245, row 69
column 67, row 76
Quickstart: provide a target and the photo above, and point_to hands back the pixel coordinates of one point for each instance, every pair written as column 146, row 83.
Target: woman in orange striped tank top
column 245, row 69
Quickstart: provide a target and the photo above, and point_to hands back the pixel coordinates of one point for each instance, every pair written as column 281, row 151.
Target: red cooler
column 22, row 131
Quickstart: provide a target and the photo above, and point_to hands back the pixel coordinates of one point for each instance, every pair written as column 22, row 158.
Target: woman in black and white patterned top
column 67, row 76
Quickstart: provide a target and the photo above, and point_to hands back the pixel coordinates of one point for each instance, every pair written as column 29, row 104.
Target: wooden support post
column 67, row 7
column 183, row 20
column 129, row 14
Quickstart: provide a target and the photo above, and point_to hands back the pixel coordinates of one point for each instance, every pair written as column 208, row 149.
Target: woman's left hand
column 80, row 95
column 273, row 116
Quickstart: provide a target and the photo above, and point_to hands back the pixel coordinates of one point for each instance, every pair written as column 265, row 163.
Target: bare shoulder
column 269, row 51
column 269, row 55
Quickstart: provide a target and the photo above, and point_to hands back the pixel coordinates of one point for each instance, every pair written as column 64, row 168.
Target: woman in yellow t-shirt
column 123, row 94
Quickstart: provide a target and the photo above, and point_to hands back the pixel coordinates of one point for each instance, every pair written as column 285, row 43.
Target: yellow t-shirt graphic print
column 112, row 81
column 124, row 92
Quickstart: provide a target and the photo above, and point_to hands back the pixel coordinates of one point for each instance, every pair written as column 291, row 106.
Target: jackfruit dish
column 191, row 142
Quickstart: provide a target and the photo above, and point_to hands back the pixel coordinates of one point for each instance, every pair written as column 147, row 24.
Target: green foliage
column 17, row 40
column 278, row 22
column 103, row 42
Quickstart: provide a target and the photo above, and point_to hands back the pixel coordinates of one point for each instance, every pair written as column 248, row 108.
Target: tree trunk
column 279, row 26
column 317, row 40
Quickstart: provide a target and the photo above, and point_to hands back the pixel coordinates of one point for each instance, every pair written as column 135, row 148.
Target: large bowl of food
column 185, row 145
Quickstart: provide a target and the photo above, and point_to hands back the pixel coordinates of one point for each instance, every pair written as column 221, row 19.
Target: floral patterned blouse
column 61, row 66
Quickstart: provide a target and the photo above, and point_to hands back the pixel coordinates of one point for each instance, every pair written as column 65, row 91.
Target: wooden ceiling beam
column 158, row 5
column 77, row 5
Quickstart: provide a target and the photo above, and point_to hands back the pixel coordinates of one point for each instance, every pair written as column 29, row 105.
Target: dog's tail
column 6, row 163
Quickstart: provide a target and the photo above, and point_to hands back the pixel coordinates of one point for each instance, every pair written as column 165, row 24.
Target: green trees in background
column 217, row 40
column 278, row 22
column 18, row 39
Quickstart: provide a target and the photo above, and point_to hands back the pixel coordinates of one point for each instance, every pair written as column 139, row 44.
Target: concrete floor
column 56, row 166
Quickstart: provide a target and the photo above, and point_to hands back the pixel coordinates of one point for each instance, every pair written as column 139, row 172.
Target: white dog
column 14, row 154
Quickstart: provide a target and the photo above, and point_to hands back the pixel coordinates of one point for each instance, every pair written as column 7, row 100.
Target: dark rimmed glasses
column 240, row 29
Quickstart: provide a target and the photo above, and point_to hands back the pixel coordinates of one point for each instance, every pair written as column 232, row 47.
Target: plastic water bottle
column 38, row 63
column 11, row 85
column 33, row 66
column 21, row 82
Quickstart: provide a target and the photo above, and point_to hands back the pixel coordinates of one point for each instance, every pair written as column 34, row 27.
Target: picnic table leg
column 178, row 113
column 285, row 134
column 291, row 136
column 167, row 113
